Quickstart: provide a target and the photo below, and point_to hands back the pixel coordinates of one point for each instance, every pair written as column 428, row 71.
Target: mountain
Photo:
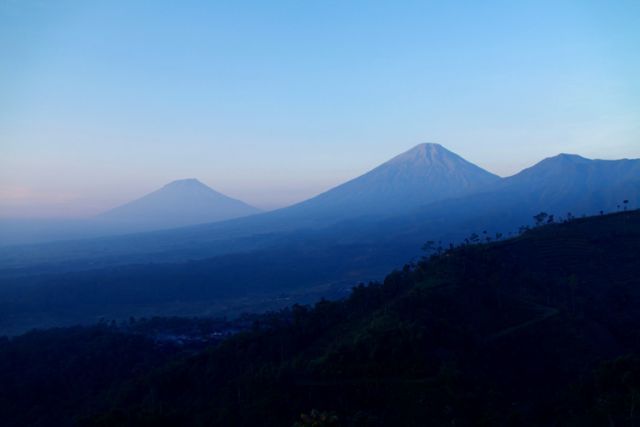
column 568, row 182
column 179, row 203
column 538, row 330
column 426, row 173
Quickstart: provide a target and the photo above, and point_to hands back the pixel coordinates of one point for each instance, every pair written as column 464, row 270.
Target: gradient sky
column 275, row 101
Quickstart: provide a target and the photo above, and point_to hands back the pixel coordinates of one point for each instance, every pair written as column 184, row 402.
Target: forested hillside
column 541, row 329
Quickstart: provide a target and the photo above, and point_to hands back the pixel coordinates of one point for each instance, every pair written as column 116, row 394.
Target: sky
column 275, row 101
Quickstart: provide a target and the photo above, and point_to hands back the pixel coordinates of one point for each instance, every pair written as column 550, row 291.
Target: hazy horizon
column 87, row 209
column 275, row 103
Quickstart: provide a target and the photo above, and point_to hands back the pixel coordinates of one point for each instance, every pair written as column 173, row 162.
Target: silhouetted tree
column 317, row 419
column 572, row 281
column 429, row 246
column 540, row 218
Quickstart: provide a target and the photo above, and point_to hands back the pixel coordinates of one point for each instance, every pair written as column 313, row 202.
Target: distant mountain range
column 354, row 232
column 426, row 182
column 427, row 191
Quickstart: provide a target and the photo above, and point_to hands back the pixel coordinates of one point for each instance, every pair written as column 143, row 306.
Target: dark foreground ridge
column 542, row 329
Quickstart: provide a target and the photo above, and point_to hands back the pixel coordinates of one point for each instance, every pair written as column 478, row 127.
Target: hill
column 541, row 329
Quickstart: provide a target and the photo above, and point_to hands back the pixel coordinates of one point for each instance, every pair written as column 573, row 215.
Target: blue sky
column 275, row 101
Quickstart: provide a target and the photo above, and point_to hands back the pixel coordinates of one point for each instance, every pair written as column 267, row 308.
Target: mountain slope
column 179, row 203
column 481, row 335
column 507, row 333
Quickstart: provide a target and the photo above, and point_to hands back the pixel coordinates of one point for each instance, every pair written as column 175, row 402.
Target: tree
column 540, row 218
column 317, row 419
column 429, row 246
column 572, row 281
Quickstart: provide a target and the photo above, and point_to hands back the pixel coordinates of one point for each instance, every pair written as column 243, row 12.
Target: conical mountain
column 424, row 174
column 179, row 203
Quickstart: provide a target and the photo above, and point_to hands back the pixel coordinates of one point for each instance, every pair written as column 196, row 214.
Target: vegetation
column 540, row 329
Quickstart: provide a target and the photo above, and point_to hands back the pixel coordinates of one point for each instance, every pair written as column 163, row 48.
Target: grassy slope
column 483, row 334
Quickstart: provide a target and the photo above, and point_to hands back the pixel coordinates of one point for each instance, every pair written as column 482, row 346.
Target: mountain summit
column 187, row 183
column 426, row 173
column 445, row 172
column 179, row 203
column 428, row 153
